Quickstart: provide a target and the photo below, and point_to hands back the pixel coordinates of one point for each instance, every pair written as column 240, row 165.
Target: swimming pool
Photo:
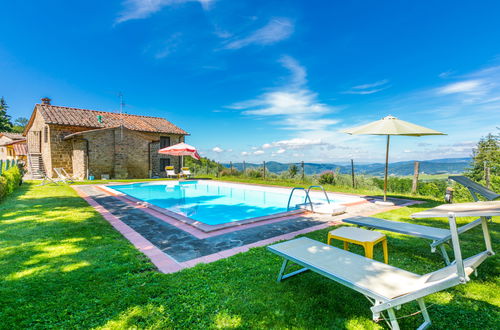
column 215, row 203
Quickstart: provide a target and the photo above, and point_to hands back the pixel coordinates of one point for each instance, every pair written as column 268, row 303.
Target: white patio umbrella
column 391, row 126
column 180, row 149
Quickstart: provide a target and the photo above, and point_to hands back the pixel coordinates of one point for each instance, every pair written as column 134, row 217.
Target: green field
column 63, row 266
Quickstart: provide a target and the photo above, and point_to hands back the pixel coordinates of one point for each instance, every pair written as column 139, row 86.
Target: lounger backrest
column 475, row 187
column 59, row 173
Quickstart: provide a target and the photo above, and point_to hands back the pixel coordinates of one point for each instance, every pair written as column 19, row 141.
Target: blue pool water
column 210, row 202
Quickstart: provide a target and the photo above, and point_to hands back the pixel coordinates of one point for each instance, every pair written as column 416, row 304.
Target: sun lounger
column 438, row 236
column 475, row 188
column 170, row 172
column 63, row 176
column 186, row 172
column 387, row 287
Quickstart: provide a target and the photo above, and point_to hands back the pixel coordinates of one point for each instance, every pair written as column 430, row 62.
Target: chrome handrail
column 321, row 187
column 305, row 199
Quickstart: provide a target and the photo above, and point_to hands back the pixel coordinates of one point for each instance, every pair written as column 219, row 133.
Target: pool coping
column 167, row 264
column 206, row 227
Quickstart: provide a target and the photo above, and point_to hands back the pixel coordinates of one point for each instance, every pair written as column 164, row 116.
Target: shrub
column 9, row 180
column 327, row 177
column 253, row 172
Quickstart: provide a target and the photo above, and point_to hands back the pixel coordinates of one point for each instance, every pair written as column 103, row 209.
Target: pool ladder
column 307, row 197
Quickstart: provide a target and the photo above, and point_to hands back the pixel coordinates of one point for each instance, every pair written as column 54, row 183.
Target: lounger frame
column 382, row 304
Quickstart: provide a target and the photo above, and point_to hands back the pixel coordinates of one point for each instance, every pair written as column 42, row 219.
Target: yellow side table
column 363, row 237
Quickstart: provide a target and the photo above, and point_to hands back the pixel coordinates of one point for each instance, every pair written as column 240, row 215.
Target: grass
column 63, row 266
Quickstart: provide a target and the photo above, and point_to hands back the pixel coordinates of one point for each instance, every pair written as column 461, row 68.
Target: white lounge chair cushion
column 474, row 209
column 367, row 274
column 400, row 227
column 357, row 234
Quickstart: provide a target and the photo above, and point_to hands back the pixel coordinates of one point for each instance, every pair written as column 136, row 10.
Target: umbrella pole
column 386, row 167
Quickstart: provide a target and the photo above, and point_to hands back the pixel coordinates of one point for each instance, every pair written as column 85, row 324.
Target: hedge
column 9, row 180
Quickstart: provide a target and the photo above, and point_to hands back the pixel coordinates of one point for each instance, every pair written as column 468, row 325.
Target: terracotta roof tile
column 89, row 118
column 13, row 136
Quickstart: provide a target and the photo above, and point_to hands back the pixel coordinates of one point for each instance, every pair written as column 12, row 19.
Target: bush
column 9, row 180
column 327, row 177
column 253, row 172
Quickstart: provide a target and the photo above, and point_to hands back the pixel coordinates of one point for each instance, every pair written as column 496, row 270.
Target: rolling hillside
column 435, row 166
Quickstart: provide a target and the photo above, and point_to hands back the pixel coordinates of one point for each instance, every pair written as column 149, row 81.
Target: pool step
column 324, row 208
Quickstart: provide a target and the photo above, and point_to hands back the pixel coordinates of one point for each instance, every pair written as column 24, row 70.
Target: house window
column 45, row 134
column 164, row 142
column 164, row 162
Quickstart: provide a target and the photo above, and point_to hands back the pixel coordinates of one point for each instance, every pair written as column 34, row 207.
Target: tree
column 293, row 170
column 486, row 153
column 19, row 124
column 5, row 124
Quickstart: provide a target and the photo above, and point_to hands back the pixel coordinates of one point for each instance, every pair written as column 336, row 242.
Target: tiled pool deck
column 173, row 245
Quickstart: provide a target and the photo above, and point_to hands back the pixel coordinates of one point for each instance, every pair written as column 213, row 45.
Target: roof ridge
column 116, row 113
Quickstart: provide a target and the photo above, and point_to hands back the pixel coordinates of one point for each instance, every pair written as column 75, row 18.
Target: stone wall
column 62, row 150
column 79, row 159
column 156, row 170
column 39, row 126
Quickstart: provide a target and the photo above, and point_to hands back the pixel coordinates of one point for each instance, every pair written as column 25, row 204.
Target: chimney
column 46, row 100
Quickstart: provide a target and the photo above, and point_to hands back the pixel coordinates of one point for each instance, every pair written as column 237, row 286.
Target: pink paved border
column 167, row 264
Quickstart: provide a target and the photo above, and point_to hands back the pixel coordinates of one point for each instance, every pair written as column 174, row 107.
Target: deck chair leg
column 393, row 319
column 425, row 314
column 282, row 274
column 282, row 270
column 486, row 234
column 444, row 254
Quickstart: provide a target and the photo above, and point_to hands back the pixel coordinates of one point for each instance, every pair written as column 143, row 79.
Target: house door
column 35, row 142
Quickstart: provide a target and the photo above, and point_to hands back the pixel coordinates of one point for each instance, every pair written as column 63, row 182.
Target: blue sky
column 266, row 80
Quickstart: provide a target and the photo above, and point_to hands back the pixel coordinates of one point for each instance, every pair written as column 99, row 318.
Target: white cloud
column 245, row 153
column 294, row 106
column 266, row 146
column 258, row 152
column 366, row 89
column 168, row 46
column 468, row 86
column 276, row 30
column 138, row 9
column 297, row 143
column 217, row 149
column 280, row 151
column 298, row 72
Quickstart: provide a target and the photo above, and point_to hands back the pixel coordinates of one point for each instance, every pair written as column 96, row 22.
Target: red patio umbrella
column 180, row 149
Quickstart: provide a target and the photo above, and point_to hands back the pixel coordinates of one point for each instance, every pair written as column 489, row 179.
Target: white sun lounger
column 438, row 236
column 387, row 287
column 186, row 172
column 63, row 176
column 475, row 188
column 170, row 171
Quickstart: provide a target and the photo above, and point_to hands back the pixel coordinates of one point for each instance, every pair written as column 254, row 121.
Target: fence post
column 303, row 171
column 264, row 170
column 352, row 173
column 414, row 185
column 231, row 167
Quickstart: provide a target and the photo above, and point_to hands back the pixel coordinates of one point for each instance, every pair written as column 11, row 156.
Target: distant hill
column 435, row 166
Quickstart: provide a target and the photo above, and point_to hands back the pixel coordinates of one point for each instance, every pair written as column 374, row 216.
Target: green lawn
column 63, row 266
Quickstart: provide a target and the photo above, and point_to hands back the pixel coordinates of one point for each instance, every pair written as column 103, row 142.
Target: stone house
column 12, row 146
column 97, row 143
